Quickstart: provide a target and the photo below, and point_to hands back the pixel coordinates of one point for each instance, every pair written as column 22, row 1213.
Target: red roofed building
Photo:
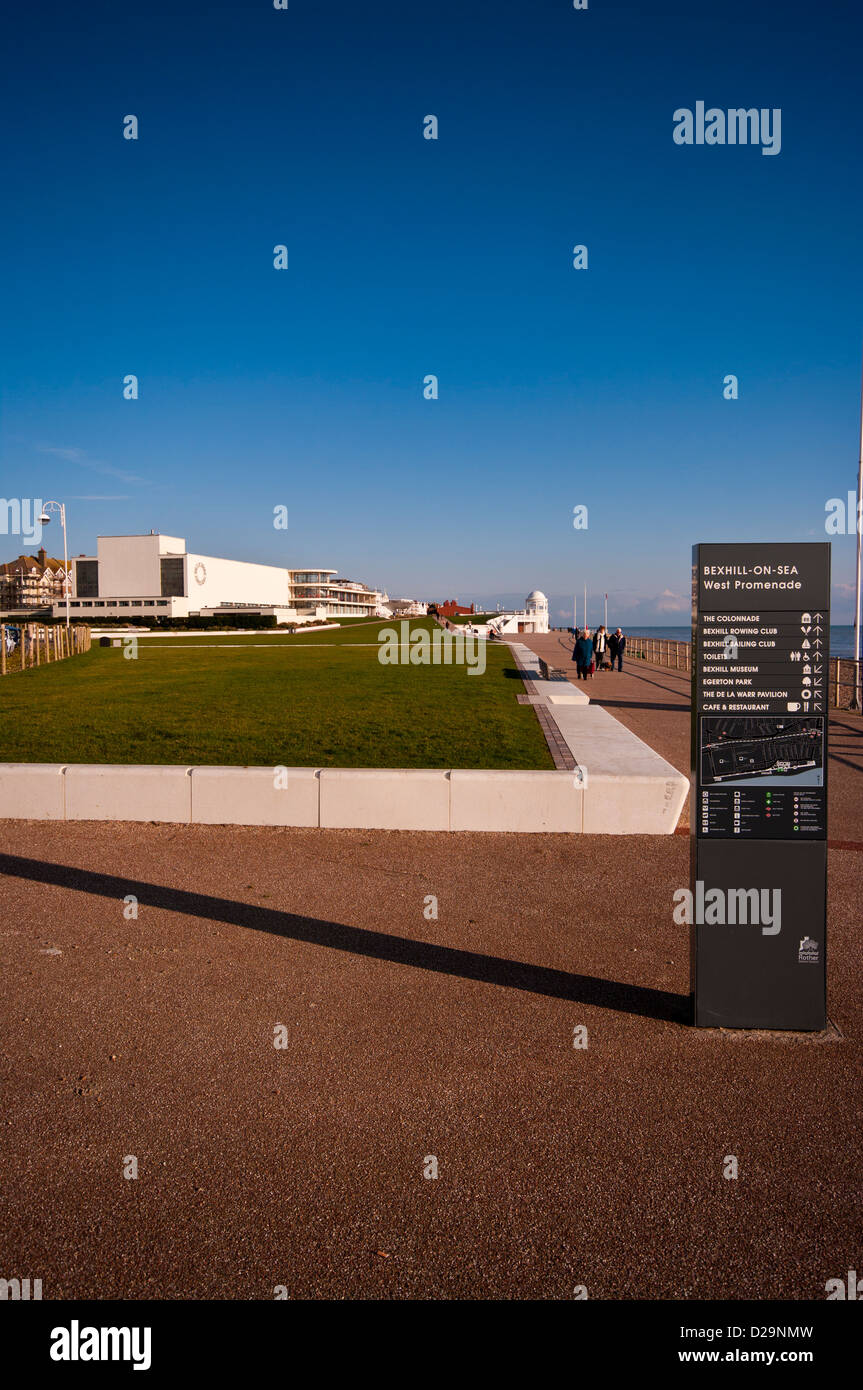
column 451, row 608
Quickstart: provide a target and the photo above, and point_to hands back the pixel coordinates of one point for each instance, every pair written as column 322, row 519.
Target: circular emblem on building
column 200, row 573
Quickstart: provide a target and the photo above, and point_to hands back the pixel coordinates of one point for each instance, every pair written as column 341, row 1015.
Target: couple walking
column 591, row 652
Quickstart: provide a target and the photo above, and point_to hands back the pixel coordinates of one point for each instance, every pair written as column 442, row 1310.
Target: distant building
column 406, row 608
column 155, row 576
column 532, row 618
column 451, row 609
column 31, row 581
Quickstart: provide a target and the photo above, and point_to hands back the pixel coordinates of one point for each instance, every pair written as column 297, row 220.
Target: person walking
column 600, row 646
column 617, row 646
column 584, row 655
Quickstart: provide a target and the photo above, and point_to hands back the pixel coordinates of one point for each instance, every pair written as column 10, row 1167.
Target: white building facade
column 532, row 618
column 155, row 576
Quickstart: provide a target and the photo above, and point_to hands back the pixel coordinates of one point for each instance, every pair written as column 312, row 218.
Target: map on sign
column 754, row 752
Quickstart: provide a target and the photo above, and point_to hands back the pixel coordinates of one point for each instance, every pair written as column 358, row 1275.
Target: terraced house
column 31, row 581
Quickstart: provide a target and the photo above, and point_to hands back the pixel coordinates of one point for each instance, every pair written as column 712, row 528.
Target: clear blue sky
column 408, row 257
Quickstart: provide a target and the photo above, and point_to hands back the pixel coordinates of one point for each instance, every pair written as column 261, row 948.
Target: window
column 87, row 578
column 173, row 577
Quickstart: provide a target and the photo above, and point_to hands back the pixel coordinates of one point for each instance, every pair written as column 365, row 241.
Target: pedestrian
column 617, row 646
column 584, row 655
column 600, row 646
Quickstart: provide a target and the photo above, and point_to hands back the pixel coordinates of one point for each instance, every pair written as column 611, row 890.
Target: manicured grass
column 363, row 633
column 187, row 700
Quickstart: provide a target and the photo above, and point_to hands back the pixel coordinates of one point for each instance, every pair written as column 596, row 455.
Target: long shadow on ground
column 422, row 955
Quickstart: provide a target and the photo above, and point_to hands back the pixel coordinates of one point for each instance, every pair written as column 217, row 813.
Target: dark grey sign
column 760, row 645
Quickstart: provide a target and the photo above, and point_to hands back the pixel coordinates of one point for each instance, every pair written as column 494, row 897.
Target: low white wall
column 518, row 801
column 599, row 797
column 384, row 799
column 118, row 792
column 255, row 796
column 32, row 791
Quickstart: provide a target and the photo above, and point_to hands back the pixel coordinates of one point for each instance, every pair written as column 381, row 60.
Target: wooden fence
column 662, row 651
column 40, row 643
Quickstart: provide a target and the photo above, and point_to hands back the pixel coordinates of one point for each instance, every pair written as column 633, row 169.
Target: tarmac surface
column 409, row 1037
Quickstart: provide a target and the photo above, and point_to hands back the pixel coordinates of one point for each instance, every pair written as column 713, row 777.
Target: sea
column 841, row 637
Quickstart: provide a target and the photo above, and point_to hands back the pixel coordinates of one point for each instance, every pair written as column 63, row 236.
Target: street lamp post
column 43, row 521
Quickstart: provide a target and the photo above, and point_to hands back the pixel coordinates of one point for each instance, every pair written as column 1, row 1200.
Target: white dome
column 536, row 596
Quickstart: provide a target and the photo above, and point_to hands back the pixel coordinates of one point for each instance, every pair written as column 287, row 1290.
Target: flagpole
column 858, row 522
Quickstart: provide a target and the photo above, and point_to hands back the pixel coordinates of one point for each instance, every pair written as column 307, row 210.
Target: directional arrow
column 817, row 681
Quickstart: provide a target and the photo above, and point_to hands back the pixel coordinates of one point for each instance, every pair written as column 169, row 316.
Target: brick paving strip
column 557, row 744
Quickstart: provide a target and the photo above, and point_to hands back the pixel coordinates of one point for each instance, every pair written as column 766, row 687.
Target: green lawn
column 187, row 700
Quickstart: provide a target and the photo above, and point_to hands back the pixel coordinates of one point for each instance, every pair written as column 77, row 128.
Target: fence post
column 2, row 649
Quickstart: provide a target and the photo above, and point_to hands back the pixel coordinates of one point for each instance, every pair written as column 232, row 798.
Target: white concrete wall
column 106, row 792
column 384, row 798
column 129, row 565
column 255, row 796
column 234, row 581
column 516, row 801
column 603, row 797
column 32, row 791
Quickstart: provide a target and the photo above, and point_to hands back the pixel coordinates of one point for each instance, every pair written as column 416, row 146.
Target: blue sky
column 407, row 257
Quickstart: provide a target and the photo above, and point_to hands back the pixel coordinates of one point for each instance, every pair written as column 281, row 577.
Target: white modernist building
column 155, row 576
column 532, row 618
